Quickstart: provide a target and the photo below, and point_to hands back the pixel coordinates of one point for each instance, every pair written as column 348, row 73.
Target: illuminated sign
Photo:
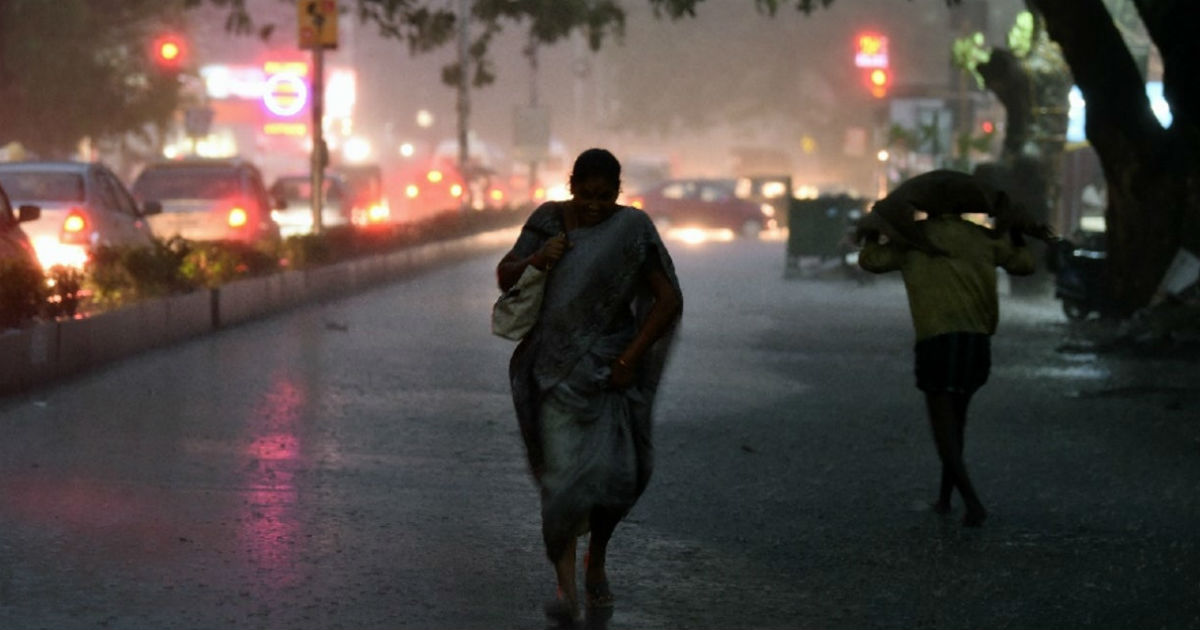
column 872, row 51
column 285, row 129
column 298, row 68
column 285, row 95
column 242, row 82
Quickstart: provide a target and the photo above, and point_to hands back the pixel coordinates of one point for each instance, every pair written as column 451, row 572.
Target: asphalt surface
column 356, row 464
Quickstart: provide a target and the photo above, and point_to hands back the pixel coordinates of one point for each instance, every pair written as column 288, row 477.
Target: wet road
column 356, row 464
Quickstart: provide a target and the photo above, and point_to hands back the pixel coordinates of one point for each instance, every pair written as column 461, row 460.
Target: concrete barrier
column 43, row 353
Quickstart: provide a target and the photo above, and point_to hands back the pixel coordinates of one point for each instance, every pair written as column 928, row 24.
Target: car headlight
column 767, row 209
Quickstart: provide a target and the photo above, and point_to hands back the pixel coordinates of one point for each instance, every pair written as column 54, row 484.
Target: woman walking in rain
column 949, row 269
column 585, row 376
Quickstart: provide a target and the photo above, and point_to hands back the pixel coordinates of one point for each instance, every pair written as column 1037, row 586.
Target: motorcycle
column 1081, row 275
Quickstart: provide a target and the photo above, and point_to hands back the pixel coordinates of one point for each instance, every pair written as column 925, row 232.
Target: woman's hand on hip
column 622, row 373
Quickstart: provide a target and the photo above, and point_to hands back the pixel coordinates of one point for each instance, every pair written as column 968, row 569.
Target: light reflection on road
column 268, row 525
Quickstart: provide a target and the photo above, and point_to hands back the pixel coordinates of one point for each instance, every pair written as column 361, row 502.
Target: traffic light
column 879, row 81
column 169, row 52
column 987, row 127
column 871, row 55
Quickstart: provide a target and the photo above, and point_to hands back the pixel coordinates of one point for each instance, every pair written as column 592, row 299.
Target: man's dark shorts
column 954, row 362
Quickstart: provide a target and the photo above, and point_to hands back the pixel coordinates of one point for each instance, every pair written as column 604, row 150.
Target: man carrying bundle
column 949, row 269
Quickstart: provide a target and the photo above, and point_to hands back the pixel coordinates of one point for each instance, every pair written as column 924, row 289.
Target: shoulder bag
column 516, row 311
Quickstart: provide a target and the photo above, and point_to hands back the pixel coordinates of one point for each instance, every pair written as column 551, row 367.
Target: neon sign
column 872, row 51
column 285, row 95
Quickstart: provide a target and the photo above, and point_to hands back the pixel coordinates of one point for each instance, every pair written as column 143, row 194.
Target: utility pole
column 318, row 134
column 318, row 31
column 464, row 104
column 532, row 52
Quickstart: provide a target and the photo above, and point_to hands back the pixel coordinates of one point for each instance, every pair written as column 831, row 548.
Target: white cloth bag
column 516, row 311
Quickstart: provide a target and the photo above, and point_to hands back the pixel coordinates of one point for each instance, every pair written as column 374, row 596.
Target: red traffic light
column 987, row 126
column 169, row 51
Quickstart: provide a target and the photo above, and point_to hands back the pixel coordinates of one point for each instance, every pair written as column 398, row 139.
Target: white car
column 83, row 205
column 208, row 200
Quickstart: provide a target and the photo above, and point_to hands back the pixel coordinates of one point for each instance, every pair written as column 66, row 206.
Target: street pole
column 464, row 105
column 318, row 132
column 533, row 106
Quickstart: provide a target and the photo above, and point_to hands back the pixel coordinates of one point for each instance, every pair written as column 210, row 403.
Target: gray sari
column 589, row 445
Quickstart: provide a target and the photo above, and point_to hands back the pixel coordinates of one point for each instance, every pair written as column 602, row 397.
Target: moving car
column 369, row 206
column 438, row 186
column 208, row 200
column 704, row 203
column 15, row 246
column 293, row 202
column 83, row 205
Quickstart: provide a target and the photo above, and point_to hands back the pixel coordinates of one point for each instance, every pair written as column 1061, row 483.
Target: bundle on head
column 941, row 192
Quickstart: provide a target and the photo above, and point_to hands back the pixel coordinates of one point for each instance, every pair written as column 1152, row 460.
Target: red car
column 704, row 203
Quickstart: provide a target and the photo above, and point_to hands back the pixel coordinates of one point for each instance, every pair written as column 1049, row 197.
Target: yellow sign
column 318, row 23
column 285, row 129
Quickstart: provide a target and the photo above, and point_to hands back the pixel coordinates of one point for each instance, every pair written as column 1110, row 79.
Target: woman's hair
column 596, row 163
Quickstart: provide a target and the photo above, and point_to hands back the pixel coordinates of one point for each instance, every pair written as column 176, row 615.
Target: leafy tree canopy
column 71, row 69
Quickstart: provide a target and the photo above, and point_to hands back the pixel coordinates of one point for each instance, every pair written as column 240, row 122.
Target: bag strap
column 566, row 211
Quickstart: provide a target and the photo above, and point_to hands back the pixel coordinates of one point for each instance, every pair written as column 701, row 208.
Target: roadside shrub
column 65, row 289
column 117, row 275
column 23, row 293
column 211, row 264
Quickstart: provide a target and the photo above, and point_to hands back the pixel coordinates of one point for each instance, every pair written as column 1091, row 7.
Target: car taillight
column 378, row 213
column 75, row 228
column 237, row 217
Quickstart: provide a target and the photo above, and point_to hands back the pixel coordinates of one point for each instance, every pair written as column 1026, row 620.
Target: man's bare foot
column 562, row 610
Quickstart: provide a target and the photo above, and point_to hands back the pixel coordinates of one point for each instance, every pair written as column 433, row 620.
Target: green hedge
column 116, row 276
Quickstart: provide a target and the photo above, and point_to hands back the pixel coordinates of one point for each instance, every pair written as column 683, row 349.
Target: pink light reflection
column 268, row 527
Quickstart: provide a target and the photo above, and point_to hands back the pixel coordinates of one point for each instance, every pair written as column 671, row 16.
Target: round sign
column 285, row 94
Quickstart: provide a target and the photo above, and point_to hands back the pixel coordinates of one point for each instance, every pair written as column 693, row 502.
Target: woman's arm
column 667, row 306
column 512, row 266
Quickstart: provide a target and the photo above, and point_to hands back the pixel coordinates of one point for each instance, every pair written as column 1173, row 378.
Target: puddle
column 1073, row 372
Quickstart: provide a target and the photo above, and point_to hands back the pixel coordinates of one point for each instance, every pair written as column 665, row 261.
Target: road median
column 46, row 352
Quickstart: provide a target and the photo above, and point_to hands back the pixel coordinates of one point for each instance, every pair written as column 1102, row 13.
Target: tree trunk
column 1146, row 168
column 1004, row 76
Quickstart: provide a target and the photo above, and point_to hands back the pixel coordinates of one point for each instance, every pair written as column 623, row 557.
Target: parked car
column 704, row 203
column 775, row 190
column 208, row 200
column 293, row 203
column 83, row 205
column 14, row 243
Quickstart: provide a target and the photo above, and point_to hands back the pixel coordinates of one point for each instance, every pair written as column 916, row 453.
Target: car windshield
column 186, row 183
column 41, row 186
column 299, row 189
